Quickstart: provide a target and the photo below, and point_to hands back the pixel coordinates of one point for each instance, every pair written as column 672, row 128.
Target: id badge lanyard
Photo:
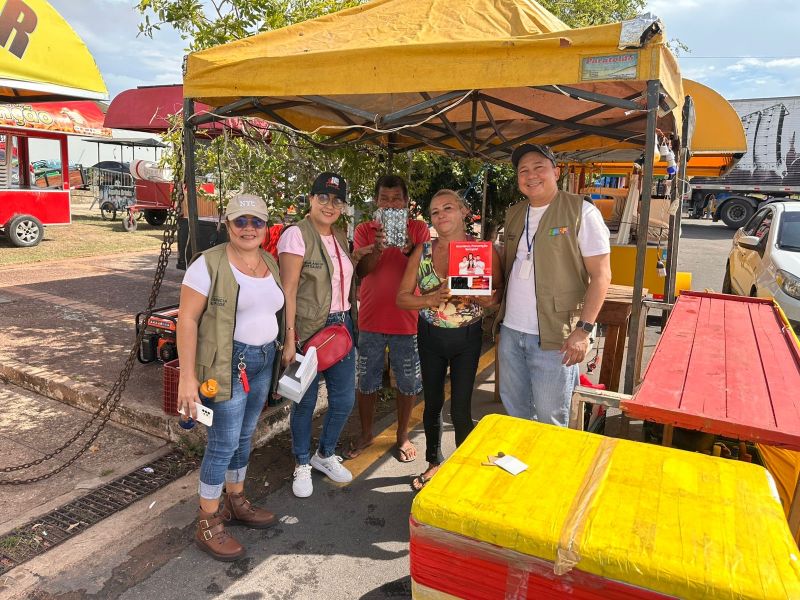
column 527, row 264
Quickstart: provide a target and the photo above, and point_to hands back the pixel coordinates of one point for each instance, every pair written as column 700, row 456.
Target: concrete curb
column 148, row 419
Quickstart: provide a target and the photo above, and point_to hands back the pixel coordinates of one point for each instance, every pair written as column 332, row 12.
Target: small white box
column 297, row 377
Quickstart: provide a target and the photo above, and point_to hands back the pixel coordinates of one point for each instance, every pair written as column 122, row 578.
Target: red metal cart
column 28, row 203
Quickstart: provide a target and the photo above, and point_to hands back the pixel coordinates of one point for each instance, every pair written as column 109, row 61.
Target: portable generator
column 159, row 340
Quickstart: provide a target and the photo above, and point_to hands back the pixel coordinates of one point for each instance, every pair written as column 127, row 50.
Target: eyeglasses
column 325, row 199
column 255, row 222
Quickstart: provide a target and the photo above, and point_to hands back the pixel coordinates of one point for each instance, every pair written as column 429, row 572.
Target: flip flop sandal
column 353, row 451
column 419, row 482
column 403, row 457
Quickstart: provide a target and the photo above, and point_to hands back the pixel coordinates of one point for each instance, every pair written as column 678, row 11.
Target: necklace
column 253, row 270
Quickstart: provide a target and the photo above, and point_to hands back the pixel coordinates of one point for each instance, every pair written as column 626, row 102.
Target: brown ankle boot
column 237, row 510
column 212, row 538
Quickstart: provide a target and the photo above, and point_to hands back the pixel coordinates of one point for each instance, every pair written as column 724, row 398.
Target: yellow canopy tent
column 42, row 58
column 473, row 78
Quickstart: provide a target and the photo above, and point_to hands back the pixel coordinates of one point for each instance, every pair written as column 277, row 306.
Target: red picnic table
column 726, row 365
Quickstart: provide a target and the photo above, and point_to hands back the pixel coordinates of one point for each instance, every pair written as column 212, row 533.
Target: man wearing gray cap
column 557, row 272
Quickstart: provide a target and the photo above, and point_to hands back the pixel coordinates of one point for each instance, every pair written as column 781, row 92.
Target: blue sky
column 739, row 50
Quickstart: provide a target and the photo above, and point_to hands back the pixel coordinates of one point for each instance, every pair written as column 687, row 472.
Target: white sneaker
column 302, row 486
column 332, row 467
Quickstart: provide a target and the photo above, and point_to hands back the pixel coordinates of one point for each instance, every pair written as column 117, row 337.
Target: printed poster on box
column 470, row 269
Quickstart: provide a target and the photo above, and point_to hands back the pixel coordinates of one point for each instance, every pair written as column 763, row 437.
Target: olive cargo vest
column 215, row 332
column 314, row 295
column 560, row 276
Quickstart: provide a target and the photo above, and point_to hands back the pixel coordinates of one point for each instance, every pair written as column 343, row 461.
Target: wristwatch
column 586, row 326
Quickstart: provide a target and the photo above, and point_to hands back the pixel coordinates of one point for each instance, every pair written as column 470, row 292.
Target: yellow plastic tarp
column 43, row 58
column 391, row 47
column 785, row 468
column 678, row 523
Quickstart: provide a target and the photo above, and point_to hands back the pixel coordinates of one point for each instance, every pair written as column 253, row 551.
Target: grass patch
column 88, row 235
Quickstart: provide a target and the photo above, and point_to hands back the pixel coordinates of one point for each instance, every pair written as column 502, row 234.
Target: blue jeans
column 403, row 358
column 340, row 380
column 230, row 435
column 534, row 384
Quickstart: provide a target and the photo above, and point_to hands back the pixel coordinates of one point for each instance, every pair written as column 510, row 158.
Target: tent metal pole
column 484, row 227
column 390, row 118
column 635, row 327
column 624, row 103
column 188, row 173
column 674, row 229
column 609, row 132
column 680, row 188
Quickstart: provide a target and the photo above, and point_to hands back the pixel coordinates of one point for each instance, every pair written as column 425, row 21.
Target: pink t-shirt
column 291, row 242
column 377, row 310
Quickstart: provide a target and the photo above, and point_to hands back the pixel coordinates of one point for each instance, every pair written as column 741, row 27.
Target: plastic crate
column 172, row 372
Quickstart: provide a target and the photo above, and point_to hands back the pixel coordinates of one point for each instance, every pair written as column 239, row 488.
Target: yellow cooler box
column 597, row 517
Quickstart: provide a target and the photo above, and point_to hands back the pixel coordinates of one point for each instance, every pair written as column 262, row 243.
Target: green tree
column 206, row 23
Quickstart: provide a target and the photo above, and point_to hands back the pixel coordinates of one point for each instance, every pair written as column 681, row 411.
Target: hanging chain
column 111, row 402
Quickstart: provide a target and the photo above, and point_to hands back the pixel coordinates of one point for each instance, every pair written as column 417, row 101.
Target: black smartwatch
column 587, row 327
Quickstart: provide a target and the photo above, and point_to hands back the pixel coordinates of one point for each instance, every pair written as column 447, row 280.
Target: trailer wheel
column 735, row 213
column 108, row 211
column 156, row 218
column 129, row 223
column 25, row 231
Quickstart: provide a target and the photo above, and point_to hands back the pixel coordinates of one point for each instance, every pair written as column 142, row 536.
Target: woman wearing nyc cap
column 317, row 272
column 230, row 326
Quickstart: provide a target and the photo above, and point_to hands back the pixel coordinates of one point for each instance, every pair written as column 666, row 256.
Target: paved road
column 342, row 543
column 703, row 251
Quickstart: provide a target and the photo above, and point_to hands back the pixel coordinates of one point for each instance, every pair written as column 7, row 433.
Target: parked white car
column 765, row 258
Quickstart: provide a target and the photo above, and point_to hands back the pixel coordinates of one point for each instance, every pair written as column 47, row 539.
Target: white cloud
column 110, row 30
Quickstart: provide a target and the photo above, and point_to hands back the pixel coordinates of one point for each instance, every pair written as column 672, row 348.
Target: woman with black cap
column 317, row 274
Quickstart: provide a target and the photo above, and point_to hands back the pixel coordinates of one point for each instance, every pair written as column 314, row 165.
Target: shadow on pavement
column 705, row 231
column 393, row 590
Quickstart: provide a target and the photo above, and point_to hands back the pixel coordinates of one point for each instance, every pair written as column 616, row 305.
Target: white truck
column 769, row 169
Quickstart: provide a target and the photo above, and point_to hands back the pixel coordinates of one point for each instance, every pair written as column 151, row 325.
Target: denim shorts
column 403, row 358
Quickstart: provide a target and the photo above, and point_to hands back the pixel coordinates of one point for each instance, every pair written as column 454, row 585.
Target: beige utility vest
column 215, row 332
column 314, row 295
column 560, row 276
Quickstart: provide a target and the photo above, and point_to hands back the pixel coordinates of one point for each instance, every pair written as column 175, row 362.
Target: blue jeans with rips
column 340, row 380
column 534, row 383
column 403, row 359
column 235, row 420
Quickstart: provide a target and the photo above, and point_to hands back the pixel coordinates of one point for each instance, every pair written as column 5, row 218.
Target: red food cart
column 28, row 202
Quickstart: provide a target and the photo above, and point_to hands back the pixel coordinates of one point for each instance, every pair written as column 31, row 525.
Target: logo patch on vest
column 559, row 231
column 313, row 264
column 218, row 301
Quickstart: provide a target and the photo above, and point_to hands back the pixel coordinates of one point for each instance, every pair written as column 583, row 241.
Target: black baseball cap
column 330, row 183
column 524, row 149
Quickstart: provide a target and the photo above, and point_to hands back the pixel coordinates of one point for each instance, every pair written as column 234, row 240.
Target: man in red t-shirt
column 382, row 324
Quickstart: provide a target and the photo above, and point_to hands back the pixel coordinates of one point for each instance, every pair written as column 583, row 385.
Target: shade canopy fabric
column 468, row 77
column 43, row 58
column 149, row 108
